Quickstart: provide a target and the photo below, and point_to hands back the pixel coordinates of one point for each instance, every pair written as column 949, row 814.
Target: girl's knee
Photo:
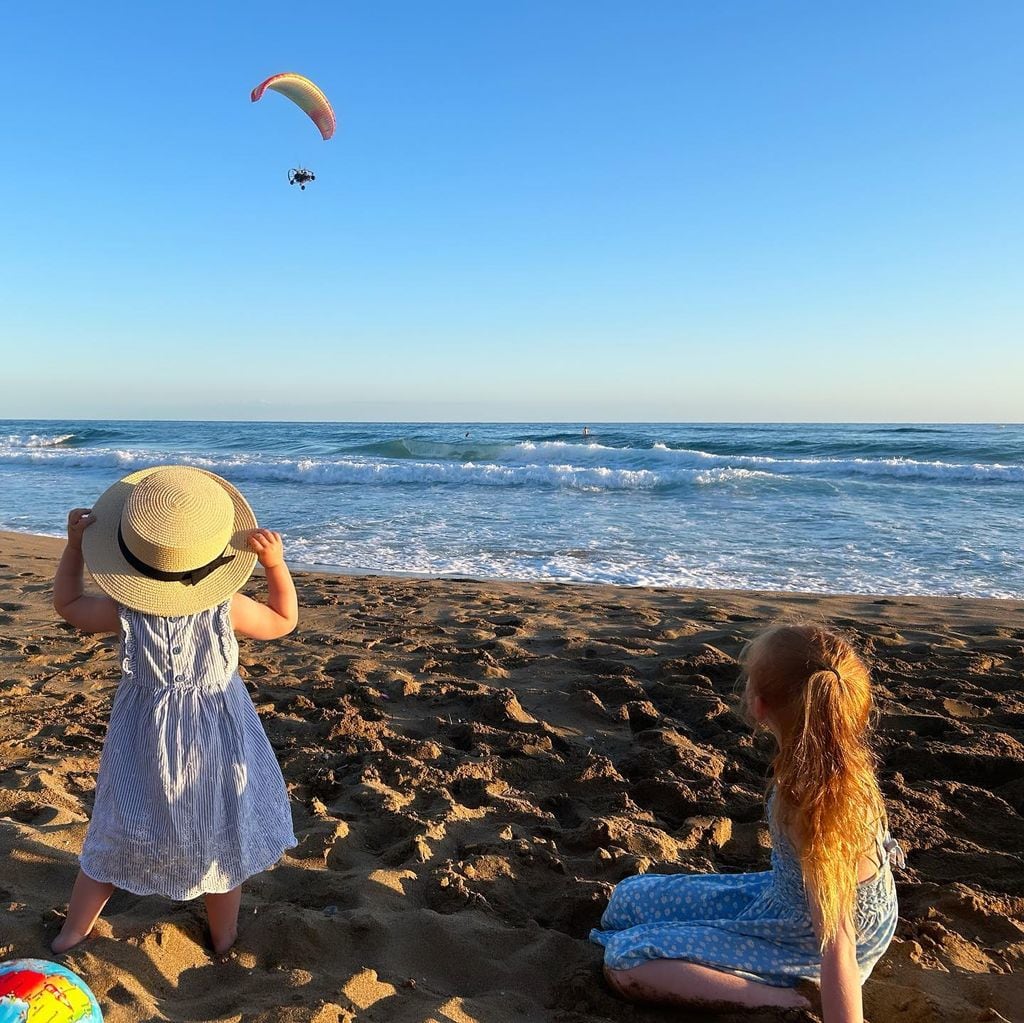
column 618, row 981
column 633, row 985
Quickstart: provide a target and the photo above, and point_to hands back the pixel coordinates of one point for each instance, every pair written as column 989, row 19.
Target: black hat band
column 189, row 578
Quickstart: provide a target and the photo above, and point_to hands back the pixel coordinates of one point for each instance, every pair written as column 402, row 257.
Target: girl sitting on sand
column 190, row 799
column 826, row 911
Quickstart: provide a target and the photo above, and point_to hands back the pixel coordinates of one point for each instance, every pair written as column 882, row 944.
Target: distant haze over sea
column 886, row 509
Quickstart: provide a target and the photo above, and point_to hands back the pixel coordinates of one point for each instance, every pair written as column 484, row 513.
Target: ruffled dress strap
column 893, row 853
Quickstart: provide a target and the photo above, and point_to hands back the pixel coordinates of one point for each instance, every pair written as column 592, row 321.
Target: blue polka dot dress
column 756, row 926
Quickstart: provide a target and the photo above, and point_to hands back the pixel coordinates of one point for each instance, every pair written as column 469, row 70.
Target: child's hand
column 278, row 616
column 268, row 547
column 79, row 519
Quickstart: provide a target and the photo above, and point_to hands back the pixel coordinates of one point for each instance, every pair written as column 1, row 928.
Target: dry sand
column 473, row 765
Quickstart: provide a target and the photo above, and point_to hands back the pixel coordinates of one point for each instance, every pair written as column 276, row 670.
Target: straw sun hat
column 170, row 540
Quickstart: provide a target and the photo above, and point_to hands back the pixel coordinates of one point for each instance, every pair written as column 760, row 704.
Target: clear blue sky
column 556, row 210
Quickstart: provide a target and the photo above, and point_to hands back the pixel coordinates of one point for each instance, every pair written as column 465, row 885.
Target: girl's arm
column 280, row 614
column 90, row 614
column 841, row 997
column 842, row 1000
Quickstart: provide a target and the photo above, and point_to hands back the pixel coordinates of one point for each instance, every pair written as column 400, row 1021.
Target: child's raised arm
column 280, row 614
column 90, row 614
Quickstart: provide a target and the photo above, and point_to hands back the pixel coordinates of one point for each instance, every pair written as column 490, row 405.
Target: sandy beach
column 473, row 765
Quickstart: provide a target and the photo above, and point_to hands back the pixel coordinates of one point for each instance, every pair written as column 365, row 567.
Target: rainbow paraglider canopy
column 304, row 94
column 38, row 991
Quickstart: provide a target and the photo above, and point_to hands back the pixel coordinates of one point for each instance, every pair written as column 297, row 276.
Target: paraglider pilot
column 301, row 177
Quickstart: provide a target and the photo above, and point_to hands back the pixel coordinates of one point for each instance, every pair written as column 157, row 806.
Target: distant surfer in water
column 586, row 431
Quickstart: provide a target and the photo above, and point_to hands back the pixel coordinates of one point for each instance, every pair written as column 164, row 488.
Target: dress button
column 179, row 678
column 175, row 649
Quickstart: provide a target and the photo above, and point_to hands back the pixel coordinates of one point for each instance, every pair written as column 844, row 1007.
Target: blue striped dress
column 757, row 926
column 189, row 798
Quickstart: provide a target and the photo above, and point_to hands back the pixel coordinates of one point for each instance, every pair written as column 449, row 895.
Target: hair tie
column 828, row 667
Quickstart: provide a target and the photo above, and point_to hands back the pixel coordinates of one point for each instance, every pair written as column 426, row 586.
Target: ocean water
column 885, row 509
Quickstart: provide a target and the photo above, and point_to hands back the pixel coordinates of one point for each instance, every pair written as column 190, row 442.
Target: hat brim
column 125, row 584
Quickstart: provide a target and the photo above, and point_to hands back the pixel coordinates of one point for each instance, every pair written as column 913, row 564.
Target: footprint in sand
column 959, row 709
column 28, row 812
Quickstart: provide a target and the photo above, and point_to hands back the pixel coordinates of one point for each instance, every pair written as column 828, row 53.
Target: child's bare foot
column 87, row 901
column 67, row 939
column 223, row 943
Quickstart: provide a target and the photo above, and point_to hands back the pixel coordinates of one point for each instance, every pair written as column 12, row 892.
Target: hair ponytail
column 819, row 692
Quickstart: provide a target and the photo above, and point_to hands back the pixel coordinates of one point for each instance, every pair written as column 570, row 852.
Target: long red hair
column 817, row 691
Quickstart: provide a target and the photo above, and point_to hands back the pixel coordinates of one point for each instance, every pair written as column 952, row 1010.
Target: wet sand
column 472, row 767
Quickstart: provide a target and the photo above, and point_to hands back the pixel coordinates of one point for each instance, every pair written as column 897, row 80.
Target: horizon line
column 546, row 422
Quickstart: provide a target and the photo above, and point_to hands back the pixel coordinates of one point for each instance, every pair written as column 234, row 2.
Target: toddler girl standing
column 189, row 799
column 826, row 911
